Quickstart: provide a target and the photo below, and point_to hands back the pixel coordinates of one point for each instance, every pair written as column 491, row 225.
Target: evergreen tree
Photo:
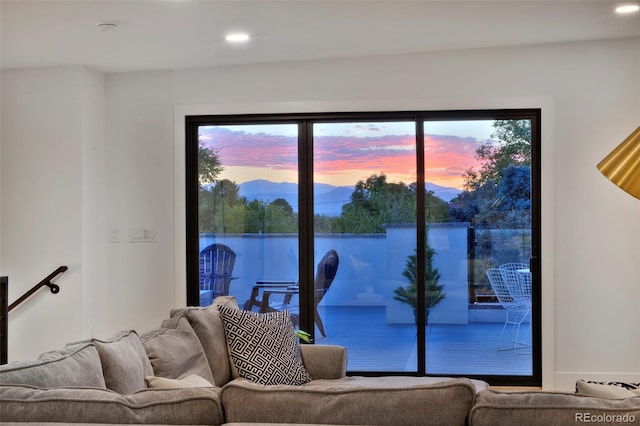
column 432, row 289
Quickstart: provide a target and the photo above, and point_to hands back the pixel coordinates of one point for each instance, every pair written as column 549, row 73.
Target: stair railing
column 4, row 313
column 4, row 309
column 55, row 289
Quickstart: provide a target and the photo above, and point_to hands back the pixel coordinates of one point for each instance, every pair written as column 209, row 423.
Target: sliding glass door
column 476, row 329
column 364, row 203
column 410, row 238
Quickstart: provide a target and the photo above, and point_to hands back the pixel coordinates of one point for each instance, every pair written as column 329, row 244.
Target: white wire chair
column 517, row 309
column 518, row 279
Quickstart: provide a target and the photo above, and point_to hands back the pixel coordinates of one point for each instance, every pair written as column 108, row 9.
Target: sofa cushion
column 396, row 401
column 191, row 381
column 76, row 365
column 550, row 408
column 175, row 351
column 263, row 347
column 207, row 324
column 196, row 406
column 124, row 362
column 324, row 361
column 608, row 389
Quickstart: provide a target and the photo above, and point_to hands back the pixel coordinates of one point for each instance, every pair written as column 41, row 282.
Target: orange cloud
column 447, row 158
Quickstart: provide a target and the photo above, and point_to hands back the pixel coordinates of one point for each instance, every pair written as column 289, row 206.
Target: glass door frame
column 305, row 123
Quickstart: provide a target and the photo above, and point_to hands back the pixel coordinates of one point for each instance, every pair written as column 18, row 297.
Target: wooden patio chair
column 326, row 272
column 216, row 267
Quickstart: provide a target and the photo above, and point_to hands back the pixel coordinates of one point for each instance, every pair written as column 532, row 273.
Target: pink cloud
column 446, row 157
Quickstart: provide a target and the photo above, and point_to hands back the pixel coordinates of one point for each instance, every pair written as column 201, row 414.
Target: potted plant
column 432, row 292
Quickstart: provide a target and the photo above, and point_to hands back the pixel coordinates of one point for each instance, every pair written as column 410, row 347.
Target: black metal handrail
column 4, row 313
column 45, row 282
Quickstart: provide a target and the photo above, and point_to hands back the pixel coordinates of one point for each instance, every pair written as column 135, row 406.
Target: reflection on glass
column 248, row 209
column 477, row 207
column 365, row 210
column 488, row 163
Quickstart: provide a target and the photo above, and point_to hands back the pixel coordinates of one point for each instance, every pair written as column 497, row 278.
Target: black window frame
column 305, row 123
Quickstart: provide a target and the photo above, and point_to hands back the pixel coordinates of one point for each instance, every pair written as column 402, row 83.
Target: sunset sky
column 347, row 152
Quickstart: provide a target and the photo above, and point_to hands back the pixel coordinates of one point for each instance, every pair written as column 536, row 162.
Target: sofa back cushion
column 75, row 365
column 175, row 351
column 396, row 401
column 208, row 326
column 325, row 361
column 551, row 408
column 124, row 362
column 195, row 406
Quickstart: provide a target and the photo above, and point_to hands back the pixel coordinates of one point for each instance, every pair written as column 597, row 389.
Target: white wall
column 93, row 192
column 42, row 203
column 589, row 94
column 140, row 192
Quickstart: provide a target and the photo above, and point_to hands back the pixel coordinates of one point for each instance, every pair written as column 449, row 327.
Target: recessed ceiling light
column 106, row 26
column 237, row 37
column 627, row 8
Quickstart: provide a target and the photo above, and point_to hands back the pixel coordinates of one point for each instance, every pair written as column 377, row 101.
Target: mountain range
column 328, row 199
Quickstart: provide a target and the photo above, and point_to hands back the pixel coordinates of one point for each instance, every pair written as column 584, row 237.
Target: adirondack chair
column 216, row 266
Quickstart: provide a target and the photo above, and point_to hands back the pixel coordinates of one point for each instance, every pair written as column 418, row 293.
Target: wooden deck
column 468, row 349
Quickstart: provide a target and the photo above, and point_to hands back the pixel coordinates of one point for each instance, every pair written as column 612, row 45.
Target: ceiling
column 174, row 34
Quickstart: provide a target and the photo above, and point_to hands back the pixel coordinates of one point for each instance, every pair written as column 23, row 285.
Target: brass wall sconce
column 622, row 165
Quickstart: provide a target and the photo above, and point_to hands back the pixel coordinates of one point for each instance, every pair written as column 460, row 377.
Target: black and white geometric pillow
column 263, row 347
column 624, row 385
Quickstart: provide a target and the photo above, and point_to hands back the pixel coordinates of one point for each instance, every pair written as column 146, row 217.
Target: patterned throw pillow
column 614, row 390
column 263, row 347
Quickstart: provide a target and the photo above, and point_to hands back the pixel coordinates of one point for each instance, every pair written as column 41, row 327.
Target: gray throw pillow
column 75, row 365
column 207, row 324
column 191, row 381
column 175, row 351
column 263, row 347
column 124, row 362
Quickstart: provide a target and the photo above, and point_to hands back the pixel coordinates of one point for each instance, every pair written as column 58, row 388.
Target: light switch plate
column 114, row 234
column 142, row 234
